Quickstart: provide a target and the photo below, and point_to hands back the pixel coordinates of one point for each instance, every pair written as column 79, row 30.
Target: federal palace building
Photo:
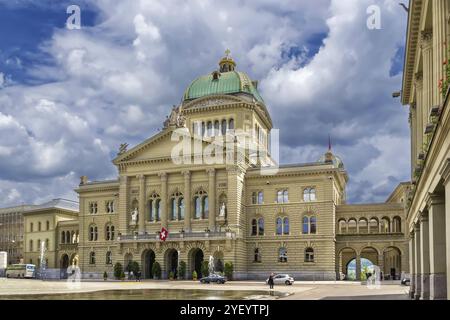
column 244, row 210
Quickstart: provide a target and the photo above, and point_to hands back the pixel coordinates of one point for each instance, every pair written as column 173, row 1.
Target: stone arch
column 171, row 259
column 396, row 225
column 374, row 225
column 370, row 253
column 392, row 263
column 385, row 224
column 363, row 225
column 342, row 226
column 352, row 225
column 64, row 264
column 345, row 256
column 148, row 258
column 196, row 256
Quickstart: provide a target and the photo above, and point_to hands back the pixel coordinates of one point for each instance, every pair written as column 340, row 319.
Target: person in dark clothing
column 270, row 282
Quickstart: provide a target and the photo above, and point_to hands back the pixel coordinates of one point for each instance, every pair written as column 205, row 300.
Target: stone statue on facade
column 223, row 209
column 123, row 148
column 176, row 118
column 134, row 216
column 74, row 238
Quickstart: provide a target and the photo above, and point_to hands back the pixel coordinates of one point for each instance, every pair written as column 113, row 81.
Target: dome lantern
column 227, row 63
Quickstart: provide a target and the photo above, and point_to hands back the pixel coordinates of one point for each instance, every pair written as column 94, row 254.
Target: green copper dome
column 225, row 81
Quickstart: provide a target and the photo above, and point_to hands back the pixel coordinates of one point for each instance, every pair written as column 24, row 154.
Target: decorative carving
column 176, row 118
column 223, row 209
column 123, row 148
column 134, row 216
column 426, row 38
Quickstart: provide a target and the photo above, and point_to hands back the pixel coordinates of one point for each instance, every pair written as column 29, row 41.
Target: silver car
column 282, row 279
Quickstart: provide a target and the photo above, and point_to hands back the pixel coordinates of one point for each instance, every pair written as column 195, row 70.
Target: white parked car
column 282, row 279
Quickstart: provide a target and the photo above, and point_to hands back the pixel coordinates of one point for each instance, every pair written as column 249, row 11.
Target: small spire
column 227, row 63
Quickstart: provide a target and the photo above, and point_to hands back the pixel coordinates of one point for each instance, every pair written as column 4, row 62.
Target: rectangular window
column 93, row 207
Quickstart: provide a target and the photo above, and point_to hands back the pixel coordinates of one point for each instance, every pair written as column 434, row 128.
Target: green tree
column 182, row 270
column 228, row 270
column 134, row 267
column 156, row 270
column 118, row 270
column 205, row 268
column 194, row 275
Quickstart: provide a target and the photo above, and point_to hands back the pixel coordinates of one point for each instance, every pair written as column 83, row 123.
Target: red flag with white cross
column 163, row 234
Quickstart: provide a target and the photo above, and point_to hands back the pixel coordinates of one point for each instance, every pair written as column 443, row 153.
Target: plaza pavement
column 301, row 290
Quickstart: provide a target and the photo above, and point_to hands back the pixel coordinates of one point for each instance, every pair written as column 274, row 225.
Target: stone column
column 417, row 262
column 436, row 223
column 381, row 264
column 445, row 174
column 142, row 204
column 413, row 128
column 412, row 265
column 440, row 11
column 163, row 206
column 187, row 201
column 123, row 204
column 212, row 198
column 425, row 256
column 358, row 268
column 426, row 43
column 418, row 116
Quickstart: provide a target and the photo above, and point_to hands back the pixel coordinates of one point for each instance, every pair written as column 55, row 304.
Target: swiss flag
column 163, row 234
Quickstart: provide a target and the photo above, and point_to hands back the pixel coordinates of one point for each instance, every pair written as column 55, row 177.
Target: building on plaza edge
column 294, row 220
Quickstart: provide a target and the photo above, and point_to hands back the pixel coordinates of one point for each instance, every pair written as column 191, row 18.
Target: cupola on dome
column 224, row 81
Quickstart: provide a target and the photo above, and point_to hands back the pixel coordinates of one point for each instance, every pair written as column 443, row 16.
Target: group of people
column 136, row 276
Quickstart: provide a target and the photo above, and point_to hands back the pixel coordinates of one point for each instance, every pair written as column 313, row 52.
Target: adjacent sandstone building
column 426, row 79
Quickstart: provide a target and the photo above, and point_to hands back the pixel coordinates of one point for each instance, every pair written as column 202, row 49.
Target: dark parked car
column 406, row 281
column 213, row 278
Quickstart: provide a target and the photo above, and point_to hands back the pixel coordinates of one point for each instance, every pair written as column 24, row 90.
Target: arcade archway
column 196, row 258
column 148, row 259
column 172, row 262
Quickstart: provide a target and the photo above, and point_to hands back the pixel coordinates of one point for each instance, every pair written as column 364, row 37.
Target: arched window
column 286, row 226
column 309, row 194
column 373, row 226
column 92, row 257
column 63, row 237
column 153, row 207
column 260, row 197
column 231, row 124
column 216, row 128
column 312, row 225
column 48, row 225
column 31, row 227
column 279, row 224
column 209, row 131
column 254, row 227
column 198, row 208
column 109, row 257
column 224, row 127
column 177, row 206
column 39, row 245
column 342, row 227
column 397, row 225
column 93, row 233
column 257, row 256
column 254, row 198
column 47, row 244
column 363, row 226
column 201, row 205
column 39, row 226
column 352, row 226
column 31, row 245
column 261, row 226
column 110, row 230
column 68, row 240
column 309, row 255
column 385, row 225
column 282, row 255
column 203, row 129
column 305, row 225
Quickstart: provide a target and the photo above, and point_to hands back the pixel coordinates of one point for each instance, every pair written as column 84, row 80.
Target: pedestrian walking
column 270, row 282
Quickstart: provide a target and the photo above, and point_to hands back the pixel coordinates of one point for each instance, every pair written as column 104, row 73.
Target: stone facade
column 244, row 209
column 425, row 90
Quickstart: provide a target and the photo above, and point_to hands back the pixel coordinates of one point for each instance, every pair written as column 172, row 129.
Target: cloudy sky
column 68, row 98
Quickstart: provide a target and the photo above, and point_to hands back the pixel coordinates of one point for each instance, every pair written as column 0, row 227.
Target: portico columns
column 412, row 264
column 141, row 215
column 417, row 262
column 187, row 200
column 163, row 176
column 440, row 12
column 212, row 198
column 436, row 222
column 445, row 174
column 425, row 256
column 123, row 204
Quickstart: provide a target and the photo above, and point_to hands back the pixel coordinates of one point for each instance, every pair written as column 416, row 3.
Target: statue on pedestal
column 134, row 216
column 222, row 210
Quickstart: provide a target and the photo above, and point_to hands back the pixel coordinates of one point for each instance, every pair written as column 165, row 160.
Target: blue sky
column 68, row 98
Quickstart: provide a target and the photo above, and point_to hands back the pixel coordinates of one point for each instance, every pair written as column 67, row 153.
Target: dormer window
column 215, row 75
